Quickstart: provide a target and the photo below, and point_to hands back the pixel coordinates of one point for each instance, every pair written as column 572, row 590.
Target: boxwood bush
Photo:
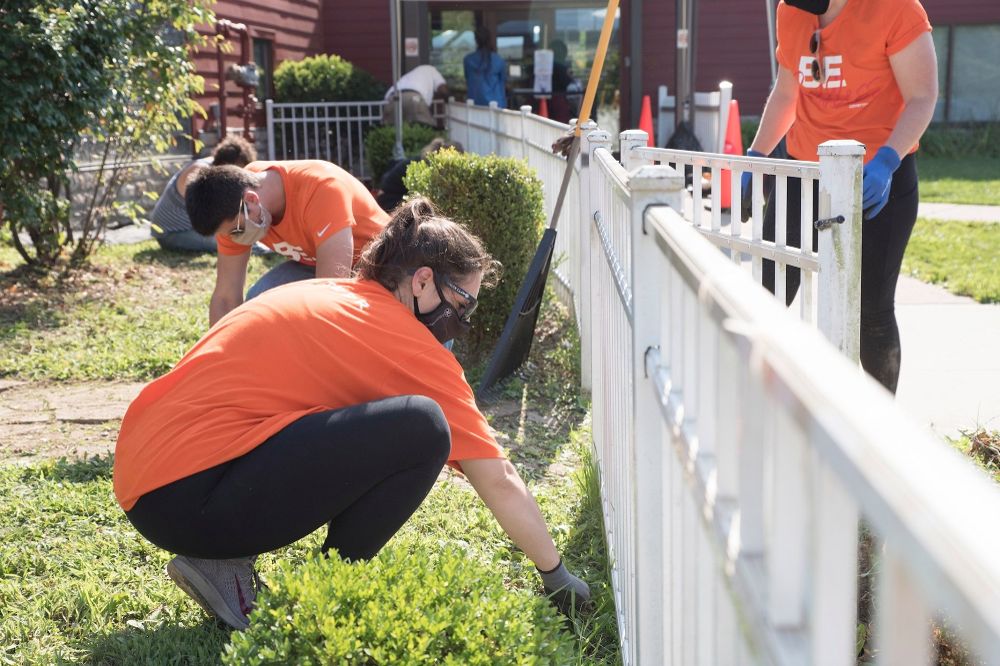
column 325, row 78
column 379, row 142
column 500, row 200
column 399, row 608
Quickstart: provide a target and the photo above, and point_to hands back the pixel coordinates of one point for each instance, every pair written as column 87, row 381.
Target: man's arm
column 335, row 256
column 230, row 278
column 502, row 490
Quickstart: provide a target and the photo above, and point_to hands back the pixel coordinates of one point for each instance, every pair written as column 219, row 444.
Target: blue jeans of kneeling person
column 284, row 273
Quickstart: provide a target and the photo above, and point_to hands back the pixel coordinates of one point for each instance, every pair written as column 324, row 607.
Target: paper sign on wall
column 543, row 70
column 411, row 47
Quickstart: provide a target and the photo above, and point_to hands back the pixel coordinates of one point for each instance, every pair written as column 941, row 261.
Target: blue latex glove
column 746, row 188
column 877, row 180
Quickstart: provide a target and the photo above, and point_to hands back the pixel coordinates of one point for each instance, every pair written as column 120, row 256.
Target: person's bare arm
column 185, row 175
column 779, row 112
column 502, row 490
column 335, row 255
column 915, row 71
column 230, row 278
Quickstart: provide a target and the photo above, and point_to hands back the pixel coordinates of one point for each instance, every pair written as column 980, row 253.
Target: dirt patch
column 39, row 421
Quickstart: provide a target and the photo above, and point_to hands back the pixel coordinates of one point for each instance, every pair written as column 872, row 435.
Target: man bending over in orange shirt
column 311, row 211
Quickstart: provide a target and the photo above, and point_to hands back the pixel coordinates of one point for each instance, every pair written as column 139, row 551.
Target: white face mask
column 251, row 231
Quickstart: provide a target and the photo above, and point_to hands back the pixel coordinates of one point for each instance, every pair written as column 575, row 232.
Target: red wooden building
column 731, row 44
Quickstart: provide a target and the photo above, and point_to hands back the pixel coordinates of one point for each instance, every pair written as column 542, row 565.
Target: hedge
column 500, row 200
column 399, row 608
column 380, row 141
column 325, row 78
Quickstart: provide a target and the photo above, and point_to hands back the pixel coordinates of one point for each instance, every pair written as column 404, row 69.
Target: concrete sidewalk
column 962, row 212
column 950, row 375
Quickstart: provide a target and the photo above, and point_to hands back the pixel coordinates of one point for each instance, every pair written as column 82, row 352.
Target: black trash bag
column 684, row 138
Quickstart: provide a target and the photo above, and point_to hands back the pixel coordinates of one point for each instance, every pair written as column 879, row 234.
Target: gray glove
column 566, row 591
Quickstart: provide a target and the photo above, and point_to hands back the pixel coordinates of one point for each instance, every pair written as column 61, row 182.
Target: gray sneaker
column 224, row 588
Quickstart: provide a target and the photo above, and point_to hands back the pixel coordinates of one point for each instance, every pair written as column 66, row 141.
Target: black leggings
column 883, row 242
column 363, row 470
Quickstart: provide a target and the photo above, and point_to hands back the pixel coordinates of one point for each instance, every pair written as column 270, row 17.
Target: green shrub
column 380, row 141
column 964, row 140
column 399, row 608
column 325, row 78
column 500, row 199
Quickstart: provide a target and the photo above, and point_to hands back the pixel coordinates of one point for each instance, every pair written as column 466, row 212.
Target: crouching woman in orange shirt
column 323, row 402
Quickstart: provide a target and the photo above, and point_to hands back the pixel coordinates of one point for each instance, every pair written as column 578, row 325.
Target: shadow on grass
column 174, row 259
column 73, row 470
column 165, row 644
column 586, row 553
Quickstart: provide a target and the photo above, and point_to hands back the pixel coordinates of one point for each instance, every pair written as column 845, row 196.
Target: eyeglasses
column 241, row 216
column 817, row 69
column 470, row 304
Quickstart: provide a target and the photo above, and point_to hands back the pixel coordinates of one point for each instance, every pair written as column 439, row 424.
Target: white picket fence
column 331, row 131
column 737, row 448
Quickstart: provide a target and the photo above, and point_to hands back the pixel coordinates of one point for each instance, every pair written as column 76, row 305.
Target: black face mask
column 816, row 7
column 443, row 321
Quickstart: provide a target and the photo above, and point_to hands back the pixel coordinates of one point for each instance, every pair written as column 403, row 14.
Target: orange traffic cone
column 543, row 108
column 646, row 121
column 733, row 146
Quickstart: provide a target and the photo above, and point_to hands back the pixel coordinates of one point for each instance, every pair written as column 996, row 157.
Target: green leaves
column 97, row 71
column 500, row 200
column 407, row 606
column 380, row 141
column 324, row 78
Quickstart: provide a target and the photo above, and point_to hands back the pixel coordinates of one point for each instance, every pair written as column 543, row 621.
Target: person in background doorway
column 418, row 87
column 170, row 223
column 328, row 403
column 562, row 107
column 391, row 190
column 865, row 71
column 485, row 72
column 311, row 211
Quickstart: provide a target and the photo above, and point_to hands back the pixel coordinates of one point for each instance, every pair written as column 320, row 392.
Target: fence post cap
column 723, row 85
column 599, row 136
column 656, row 177
column 470, row 102
column 493, row 104
column 525, row 108
column 841, row 147
column 634, row 135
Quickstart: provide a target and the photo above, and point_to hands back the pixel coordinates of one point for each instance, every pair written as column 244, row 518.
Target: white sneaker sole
column 199, row 588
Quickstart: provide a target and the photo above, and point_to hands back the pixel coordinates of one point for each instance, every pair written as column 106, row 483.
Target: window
column 975, row 82
column 263, row 55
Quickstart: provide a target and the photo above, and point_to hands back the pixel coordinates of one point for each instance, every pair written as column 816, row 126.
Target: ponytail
column 417, row 235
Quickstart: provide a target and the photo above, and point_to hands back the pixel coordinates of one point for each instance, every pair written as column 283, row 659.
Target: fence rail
column 737, row 449
column 331, row 131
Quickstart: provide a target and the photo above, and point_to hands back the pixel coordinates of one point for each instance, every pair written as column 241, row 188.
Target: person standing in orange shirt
column 863, row 70
column 327, row 402
column 311, row 211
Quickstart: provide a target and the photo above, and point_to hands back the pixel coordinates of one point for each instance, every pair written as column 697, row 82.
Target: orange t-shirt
column 859, row 98
column 320, row 200
column 302, row 348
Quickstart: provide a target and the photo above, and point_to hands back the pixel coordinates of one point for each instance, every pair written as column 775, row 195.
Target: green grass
column 983, row 447
column 963, row 257
column 963, row 180
column 131, row 315
column 78, row 584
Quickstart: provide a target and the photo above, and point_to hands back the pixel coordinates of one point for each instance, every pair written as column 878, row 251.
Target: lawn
column 963, row 257
column 78, row 584
column 131, row 316
column 964, row 180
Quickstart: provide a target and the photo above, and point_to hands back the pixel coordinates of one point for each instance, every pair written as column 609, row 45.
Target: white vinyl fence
column 738, row 450
column 331, row 131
